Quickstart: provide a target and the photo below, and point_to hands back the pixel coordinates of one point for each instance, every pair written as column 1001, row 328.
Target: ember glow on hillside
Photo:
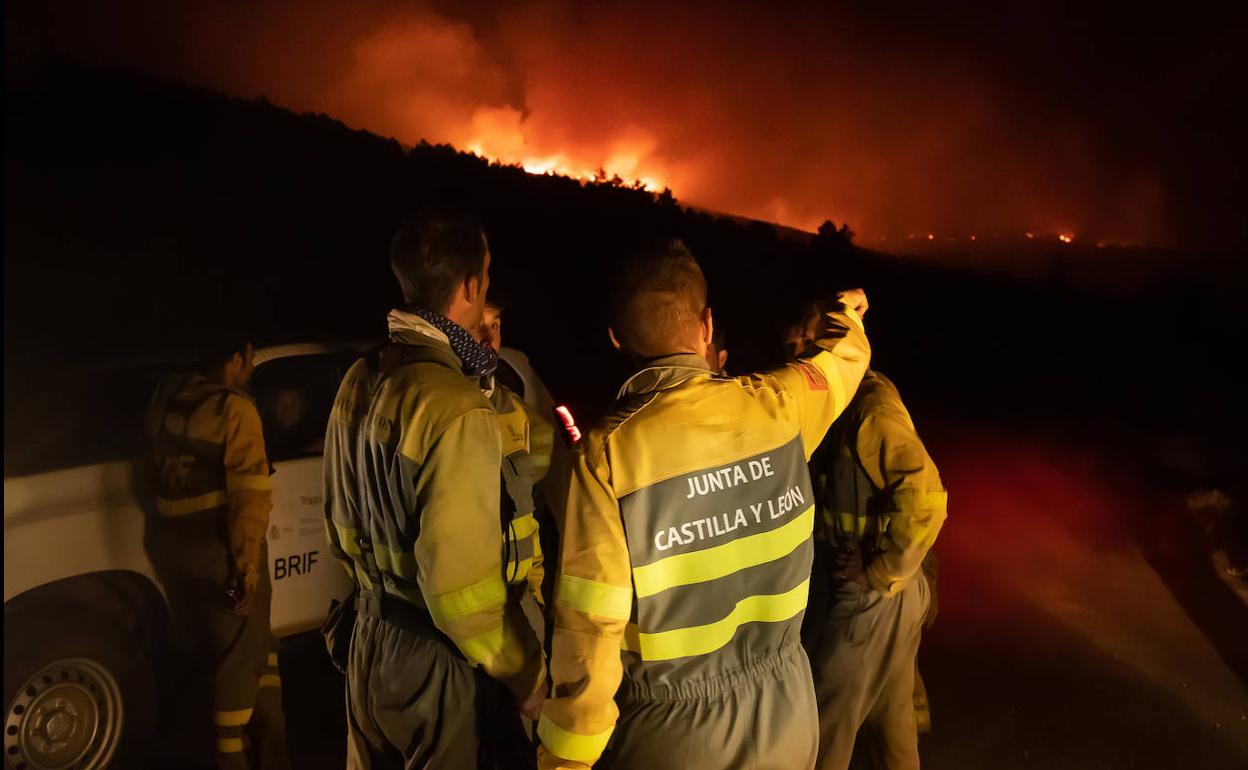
column 895, row 120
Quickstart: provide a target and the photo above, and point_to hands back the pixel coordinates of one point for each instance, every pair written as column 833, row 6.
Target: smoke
column 896, row 124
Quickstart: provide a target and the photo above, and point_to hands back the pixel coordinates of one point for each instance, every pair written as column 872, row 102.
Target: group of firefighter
column 724, row 572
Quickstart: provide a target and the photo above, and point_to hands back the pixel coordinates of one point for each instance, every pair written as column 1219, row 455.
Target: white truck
column 86, row 625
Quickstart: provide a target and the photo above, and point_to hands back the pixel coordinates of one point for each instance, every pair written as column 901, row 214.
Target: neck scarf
column 478, row 360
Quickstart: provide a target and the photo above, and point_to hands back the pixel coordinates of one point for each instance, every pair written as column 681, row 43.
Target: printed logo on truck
column 294, row 565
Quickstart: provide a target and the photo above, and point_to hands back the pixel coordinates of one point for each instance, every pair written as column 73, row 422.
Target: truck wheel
column 78, row 694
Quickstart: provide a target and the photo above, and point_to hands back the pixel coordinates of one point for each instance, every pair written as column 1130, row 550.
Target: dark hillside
column 137, row 210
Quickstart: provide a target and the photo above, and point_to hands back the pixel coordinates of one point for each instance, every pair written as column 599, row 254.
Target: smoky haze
column 897, row 120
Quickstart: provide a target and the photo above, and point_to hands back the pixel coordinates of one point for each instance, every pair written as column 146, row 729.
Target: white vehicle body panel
column 305, row 574
column 83, row 520
column 72, row 522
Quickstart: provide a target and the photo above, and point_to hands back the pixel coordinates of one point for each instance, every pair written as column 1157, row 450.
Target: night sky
column 1113, row 125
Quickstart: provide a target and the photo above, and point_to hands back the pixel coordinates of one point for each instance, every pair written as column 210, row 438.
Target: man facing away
column 412, row 468
column 686, row 551
column 881, row 505
column 208, row 541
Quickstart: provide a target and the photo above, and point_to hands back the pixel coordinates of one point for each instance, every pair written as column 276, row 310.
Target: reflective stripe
column 483, row 595
column 256, row 481
column 483, row 648
column 231, row 718
column 167, row 507
column 270, row 680
column 853, row 524
column 566, row 745
column 401, row 563
column 594, row 598
column 273, row 659
column 700, row 640
column 733, row 556
column 518, row 572
column 229, row 745
column 523, row 526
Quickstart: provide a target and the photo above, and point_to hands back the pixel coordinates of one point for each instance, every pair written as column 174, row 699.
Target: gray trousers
column 864, row 666
column 413, row 703
column 759, row 718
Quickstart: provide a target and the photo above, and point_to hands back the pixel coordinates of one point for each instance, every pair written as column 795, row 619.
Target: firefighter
column 685, row 559
column 412, row 466
column 528, row 441
column 881, row 505
column 208, row 541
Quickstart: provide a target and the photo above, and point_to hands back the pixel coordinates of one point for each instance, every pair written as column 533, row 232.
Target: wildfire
column 1066, row 238
column 501, row 136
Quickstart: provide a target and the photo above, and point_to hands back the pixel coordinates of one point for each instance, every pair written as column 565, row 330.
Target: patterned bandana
column 478, row 360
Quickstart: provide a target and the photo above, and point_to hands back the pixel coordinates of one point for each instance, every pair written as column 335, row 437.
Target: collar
column 417, row 325
column 664, row 373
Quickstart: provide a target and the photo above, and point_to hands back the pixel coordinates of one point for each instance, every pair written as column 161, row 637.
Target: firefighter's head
column 228, row 360
column 442, row 261
column 490, row 331
column 658, row 304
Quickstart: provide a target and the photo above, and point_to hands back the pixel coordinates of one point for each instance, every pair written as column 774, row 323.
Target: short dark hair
column 216, row 352
column 658, row 300
column 434, row 251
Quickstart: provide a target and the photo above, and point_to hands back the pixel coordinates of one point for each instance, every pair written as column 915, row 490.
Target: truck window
column 294, row 396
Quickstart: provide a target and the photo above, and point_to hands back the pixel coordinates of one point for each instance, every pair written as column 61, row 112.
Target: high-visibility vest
column 190, row 465
column 520, row 527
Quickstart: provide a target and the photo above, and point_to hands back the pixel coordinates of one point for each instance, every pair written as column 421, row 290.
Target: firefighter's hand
column 531, row 706
column 856, row 299
column 847, row 567
column 240, row 594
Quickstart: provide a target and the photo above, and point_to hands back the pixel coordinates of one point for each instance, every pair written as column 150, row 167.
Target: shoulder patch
column 814, row 378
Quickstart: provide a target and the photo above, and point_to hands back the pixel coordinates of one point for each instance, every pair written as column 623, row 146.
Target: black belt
column 404, row 615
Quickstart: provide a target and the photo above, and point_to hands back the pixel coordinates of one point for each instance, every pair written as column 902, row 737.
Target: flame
column 502, row 135
column 1066, row 238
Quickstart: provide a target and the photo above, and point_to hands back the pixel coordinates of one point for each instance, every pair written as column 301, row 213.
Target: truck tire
column 79, row 694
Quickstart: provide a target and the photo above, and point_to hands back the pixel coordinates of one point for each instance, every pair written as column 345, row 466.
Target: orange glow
column 1066, row 238
column 503, row 135
column 1030, row 236
column 931, row 236
column 972, row 237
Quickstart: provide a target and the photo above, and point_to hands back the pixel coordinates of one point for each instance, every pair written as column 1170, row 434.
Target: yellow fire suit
column 412, row 489
column 881, row 501
column 684, row 566
column 527, row 441
column 213, row 502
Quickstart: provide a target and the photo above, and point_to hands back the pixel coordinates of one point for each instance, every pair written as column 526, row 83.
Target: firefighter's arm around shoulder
column 248, row 490
column 824, row 383
column 459, row 554
column 592, row 603
column 890, row 452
